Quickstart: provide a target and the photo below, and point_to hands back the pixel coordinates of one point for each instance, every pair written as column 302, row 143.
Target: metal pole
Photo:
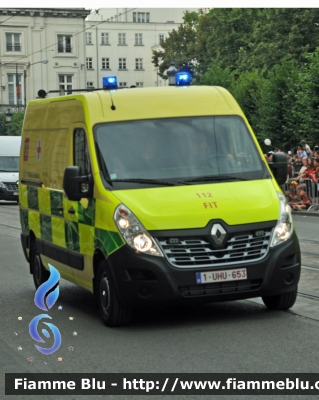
column 25, row 87
column 17, row 83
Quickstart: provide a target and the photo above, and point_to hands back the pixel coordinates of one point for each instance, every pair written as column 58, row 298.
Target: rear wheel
column 40, row 274
column 113, row 313
column 282, row 301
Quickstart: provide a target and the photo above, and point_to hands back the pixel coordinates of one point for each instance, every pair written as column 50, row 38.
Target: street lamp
column 25, row 78
column 8, row 119
column 171, row 74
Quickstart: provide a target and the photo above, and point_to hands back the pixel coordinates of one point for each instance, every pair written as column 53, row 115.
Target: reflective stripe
column 46, row 228
column 33, row 201
column 72, row 235
column 47, row 213
column 44, row 200
column 107, row 241
column 34, row 223
column 58, row 231
column 23, row 195
column 24, row 221
column 86, row 234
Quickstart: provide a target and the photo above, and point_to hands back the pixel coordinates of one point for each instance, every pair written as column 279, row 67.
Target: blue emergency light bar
column 109, row 82
column 183, row 78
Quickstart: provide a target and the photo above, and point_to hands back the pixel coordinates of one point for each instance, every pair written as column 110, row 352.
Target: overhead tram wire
column 54, row 44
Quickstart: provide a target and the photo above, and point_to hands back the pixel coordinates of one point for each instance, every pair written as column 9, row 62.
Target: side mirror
column 76, row 186
column 279, row 167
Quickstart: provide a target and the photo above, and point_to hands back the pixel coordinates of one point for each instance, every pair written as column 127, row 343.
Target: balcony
column 13, row 47
column 64, row 48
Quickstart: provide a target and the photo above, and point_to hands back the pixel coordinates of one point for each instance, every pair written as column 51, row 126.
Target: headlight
column 134, row 233
column 284, row 227
column 2, row 185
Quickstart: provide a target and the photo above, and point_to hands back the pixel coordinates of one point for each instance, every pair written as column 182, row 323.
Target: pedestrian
column 306, row 147
column 301, row 152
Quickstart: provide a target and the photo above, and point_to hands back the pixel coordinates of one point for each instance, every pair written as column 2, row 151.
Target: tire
column 112, row 312
column 40, row 274
column 282, row 301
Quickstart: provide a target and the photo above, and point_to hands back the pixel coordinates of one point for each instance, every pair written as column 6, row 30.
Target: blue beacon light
column 183, row 78
column 109, row 82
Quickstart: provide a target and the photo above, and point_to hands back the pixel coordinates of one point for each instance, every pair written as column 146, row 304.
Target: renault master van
column 155, row 195
column 9, row 167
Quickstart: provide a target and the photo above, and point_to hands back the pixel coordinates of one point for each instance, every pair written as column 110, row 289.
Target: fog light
column 289, row 278
column 145, row 292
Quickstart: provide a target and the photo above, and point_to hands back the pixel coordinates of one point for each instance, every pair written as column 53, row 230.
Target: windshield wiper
column 140, row 180
column 223, row 178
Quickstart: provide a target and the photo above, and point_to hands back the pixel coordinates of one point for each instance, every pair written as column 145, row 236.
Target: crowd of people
column 301, row 187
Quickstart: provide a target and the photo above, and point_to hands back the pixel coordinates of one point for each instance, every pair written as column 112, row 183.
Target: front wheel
column 40, row 274
column 113, row 313
column 282, row 301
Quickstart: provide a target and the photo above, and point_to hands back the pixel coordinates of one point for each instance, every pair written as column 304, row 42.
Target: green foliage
column 16, row 124
column 267, row 58
column 3, row 126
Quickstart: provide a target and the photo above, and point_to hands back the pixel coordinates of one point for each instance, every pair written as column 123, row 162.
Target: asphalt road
column 228, row 337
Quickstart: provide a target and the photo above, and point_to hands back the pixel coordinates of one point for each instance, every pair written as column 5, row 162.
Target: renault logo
column 218, row 233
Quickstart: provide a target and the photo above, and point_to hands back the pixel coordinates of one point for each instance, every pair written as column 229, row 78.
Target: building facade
column 122, row 45
column 65, row 49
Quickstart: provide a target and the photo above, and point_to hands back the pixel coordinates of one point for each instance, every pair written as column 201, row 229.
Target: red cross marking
column 39, row 148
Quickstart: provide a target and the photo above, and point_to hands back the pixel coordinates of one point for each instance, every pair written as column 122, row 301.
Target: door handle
column 71, row 210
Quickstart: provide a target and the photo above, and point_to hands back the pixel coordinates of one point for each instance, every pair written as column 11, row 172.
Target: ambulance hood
column 193, row 206
column 9, row 176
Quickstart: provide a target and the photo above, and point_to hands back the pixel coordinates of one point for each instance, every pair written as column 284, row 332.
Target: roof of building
column 46, row 12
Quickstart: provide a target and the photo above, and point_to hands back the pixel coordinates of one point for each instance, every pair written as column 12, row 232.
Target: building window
column 64, row 44
column 122, row 39
column 122, row 84
column 138, row 63
column 139, row 84
column 141, row 17
column 138, row 38
column 89, row 63
column 161, row 38
column 65, row 82
column 89, row 85
column 13, row 41
column 105, row 63
column 104, row 38
column 122, row 63
column 14, row 89
column 88, row 36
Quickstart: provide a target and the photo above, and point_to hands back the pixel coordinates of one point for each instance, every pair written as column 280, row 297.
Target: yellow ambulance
column 153, row 195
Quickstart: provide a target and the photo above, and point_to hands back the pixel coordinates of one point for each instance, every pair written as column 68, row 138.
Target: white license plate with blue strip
column 221, row 276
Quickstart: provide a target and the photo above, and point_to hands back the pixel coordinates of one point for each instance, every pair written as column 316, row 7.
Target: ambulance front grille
column 11, row 187
column 187, row 252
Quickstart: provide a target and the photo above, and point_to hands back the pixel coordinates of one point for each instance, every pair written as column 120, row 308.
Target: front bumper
column 142, row 279
column 9, row 193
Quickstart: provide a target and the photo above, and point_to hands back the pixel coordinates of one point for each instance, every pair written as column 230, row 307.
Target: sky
column 92, row 4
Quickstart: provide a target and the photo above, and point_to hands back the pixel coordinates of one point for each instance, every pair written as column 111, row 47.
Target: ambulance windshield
column 186, row 150
column 9, row 163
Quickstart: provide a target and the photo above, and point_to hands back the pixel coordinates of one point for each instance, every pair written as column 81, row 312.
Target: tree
column 178, row 47
column 16, row 124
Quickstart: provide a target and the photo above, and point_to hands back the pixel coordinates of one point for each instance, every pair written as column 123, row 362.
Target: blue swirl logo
column 39, row 300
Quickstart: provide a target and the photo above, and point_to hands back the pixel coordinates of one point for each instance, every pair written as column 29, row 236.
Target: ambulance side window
column 81, row 152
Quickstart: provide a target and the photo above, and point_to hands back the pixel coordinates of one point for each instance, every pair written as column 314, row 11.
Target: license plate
column 221, row 276
column 15, row 193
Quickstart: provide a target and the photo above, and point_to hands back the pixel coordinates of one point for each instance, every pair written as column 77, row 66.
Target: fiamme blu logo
column 39, row 299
